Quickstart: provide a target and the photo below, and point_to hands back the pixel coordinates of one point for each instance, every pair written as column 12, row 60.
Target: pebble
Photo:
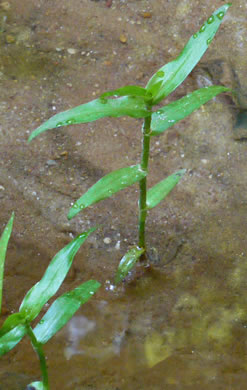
column 50, row 163
column 107, row 240
column 117, row 246
column 204, row 161
column 71, row 50
column 146, row 15
column 123, row 38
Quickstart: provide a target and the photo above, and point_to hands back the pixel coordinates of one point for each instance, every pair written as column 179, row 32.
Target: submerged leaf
column 3, row 249
column 132, row 106
column 63, row 309
column 158, row 192
column 170, row 114
column 53, row 277
column 107, row 186
column 128, row 262
column 171, row 75
column 158, row 347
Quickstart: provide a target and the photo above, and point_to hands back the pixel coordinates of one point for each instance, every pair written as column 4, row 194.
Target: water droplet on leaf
column 195, row 35
column 59, row 124
column 209, row 40
column 210, row 19
column 203, row 28
column 41, row 322
column 103, row 100
column 70, row 121
column 160, row 73
column 220, row 15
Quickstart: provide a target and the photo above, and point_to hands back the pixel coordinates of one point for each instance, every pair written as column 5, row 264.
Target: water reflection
column 77, row 328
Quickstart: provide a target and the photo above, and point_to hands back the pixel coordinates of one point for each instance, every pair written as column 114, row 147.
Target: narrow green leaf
column 127, row 263
column 53, row 277
column 171, row 75
column 63, row 309
column 3, row 249
column 11, row 322
column 36, row 386
column 107, row 186
column 170, row 114
column 132, row 106
column 11, row 338
column 128, row 90
column 158, row 192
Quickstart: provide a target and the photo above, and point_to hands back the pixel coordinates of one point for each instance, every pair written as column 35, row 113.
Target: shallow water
column 181, row 322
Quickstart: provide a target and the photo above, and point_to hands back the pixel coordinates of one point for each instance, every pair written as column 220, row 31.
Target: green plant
column 137, row 102
column 17, row 325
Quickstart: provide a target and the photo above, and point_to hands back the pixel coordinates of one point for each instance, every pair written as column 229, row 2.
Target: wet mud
column 181, row 322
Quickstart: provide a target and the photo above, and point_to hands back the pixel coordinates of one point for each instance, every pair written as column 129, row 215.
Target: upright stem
column 143, row 182
column 39, row 350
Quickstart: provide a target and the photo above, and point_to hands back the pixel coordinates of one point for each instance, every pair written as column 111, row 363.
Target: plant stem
column 39, row 350
column 143, row 182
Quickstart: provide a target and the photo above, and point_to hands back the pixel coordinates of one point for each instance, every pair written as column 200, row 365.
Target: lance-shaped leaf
column 53, row 277
column 173, row 112
column 128, row 262
column 171, row 75
column 11, row 338
column 107, row 186
column 36, row 386
column 133, row 106
column 3, row 249
column 158, row 192
column 63, row 309
column 128, row 90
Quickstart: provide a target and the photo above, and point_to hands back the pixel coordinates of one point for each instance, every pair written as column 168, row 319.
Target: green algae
column 20, row 62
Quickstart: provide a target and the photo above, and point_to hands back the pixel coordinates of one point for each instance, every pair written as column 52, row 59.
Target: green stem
column 143, row 182
column 42, row 360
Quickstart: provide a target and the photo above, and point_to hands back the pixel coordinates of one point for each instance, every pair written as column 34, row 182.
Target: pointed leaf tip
column 160, row 191
column 4, row 240
column 133, row 106
column 52, row 279
column 171, row 75
column 169, row 115
column 107, row 186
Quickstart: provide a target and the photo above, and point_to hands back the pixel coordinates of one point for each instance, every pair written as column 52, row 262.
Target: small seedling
column 138, row 102
column 18, row 325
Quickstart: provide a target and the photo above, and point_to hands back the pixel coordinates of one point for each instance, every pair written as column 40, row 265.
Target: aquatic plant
column 138, row 102
column 4, row 240
column 18, row 325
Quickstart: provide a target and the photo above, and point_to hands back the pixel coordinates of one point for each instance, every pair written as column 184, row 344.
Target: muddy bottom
column 181, row 322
